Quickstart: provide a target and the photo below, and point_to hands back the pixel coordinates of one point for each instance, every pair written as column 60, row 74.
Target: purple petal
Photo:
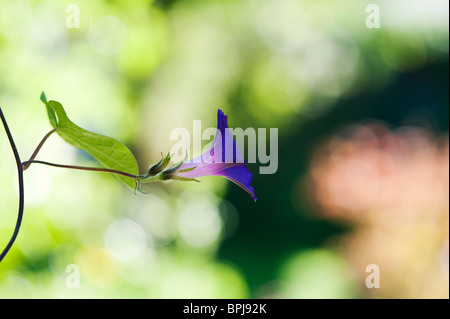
column 223, row 148
column 241, row 176
column 205, row 169
column 221, row 159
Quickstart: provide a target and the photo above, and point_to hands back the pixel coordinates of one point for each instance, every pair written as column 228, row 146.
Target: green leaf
column 106, row 150
column 51, row 114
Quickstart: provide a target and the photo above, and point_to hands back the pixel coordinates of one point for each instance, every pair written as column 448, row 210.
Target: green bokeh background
column 135, row 70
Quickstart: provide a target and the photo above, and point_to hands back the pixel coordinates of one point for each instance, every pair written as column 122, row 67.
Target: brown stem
column 38, row 148
column 83, row 168
column 21, row 187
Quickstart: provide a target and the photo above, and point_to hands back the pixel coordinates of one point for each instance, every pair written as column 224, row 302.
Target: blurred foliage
column 135, row 70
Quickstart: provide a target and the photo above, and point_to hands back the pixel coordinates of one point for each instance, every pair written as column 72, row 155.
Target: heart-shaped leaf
column 107, row 151
column 51, row 114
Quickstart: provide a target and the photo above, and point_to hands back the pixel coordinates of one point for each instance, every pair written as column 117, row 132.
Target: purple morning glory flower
column 221, row 159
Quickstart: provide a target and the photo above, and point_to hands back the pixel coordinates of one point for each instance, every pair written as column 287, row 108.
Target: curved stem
column 83, row 168
column 38, row 148
column 21, row 188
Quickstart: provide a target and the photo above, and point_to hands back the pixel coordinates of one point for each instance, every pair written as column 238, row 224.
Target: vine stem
column 38, row 148
column 21, row 187
column 27, row 164
column 83, row 168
